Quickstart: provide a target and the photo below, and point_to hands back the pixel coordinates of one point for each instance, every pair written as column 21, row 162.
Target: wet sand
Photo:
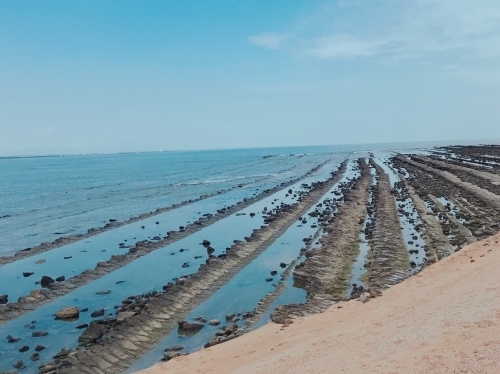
column 443, row 320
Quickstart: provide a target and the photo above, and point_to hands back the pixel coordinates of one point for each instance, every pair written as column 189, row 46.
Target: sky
column 86, row 76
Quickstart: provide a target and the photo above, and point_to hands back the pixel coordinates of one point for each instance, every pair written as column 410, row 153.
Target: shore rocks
column 214, row 322
column 45, row 281
column 97, row 313
column 190, row 326
column 39, row 334
column 4, row 299
column 68, row 313
column 91, row 333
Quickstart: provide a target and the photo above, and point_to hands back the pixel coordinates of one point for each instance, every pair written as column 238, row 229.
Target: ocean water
column 43, row 198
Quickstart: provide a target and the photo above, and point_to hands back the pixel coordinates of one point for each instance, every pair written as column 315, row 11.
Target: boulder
column 24, row 348
column 39, row 348
column 39, row 334
column 46, row 280
column 190, row 326
column 103, row 292
column 35, row 356
column 4, row 299
column 62, row 278
column 214, row 322
column 97, row 313
column 205, row 243
column 68, row 313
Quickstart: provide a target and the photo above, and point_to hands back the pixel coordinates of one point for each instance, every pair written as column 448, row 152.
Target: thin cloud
column 344, row 46
column 465, row 29
column 267, row 40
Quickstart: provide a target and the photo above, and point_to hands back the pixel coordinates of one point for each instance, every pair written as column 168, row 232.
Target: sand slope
column 444, row 320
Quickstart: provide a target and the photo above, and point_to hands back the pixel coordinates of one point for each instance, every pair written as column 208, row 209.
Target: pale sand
column 446, row 319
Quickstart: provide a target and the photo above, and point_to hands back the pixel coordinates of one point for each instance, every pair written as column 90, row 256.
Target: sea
column 44, row 198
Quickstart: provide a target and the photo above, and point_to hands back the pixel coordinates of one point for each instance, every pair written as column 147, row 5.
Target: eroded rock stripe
column 326, row 271
column 389, row 260
column 127, row 341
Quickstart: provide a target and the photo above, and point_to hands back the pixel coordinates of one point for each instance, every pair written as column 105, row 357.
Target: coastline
column 441, row 320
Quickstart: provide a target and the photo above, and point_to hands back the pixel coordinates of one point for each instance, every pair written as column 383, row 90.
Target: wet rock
column 24, row 348
column 190, row 326
column 185, row 265
column 91, row 333
column 39, row 334
column 97, row 313
column 175, row 348
column 27, row 274
column 282, row 265
column 201, row 319
column 106, row 292
column 46, row 280
column 214, row 322
column 19, row 365
column 230, row 316
column 4, row 299
column 68, row 313
column 62, row 278
column 167, row 356
column 39, row 348
column 274, row 272
column 269, row 279
column 68, row 257
column 62, row 354
column 35, row 356
column 12, row 340
column 82, row 326
column 41, row 261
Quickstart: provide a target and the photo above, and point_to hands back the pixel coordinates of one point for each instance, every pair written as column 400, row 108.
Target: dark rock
column 68, row 257
column 269, row 279
column 274, row 272
column 190, row 326
column 175, row 348
column 4, row 299
column 205, row 243
column 82, row 326
column 62, row 278
column 39, row 348
column 91, row 333
column 35, row 356
column 282, row 265
column 19, row 365
column 97, row 313
column 26, row 274
column 24, row 348
column 46, row 280
column 103, row 292
column 39, row 334
column 12, row 340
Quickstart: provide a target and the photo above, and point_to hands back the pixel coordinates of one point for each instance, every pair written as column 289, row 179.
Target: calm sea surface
column 43, row 198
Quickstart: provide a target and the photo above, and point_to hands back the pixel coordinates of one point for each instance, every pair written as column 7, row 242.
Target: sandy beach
column 443, row 320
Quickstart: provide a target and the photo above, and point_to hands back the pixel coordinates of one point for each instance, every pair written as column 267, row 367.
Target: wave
column 229, row 179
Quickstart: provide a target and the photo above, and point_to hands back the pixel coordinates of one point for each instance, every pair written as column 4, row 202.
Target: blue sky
column 112, row 76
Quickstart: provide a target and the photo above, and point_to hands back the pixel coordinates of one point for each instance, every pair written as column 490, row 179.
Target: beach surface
column 443, row 320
